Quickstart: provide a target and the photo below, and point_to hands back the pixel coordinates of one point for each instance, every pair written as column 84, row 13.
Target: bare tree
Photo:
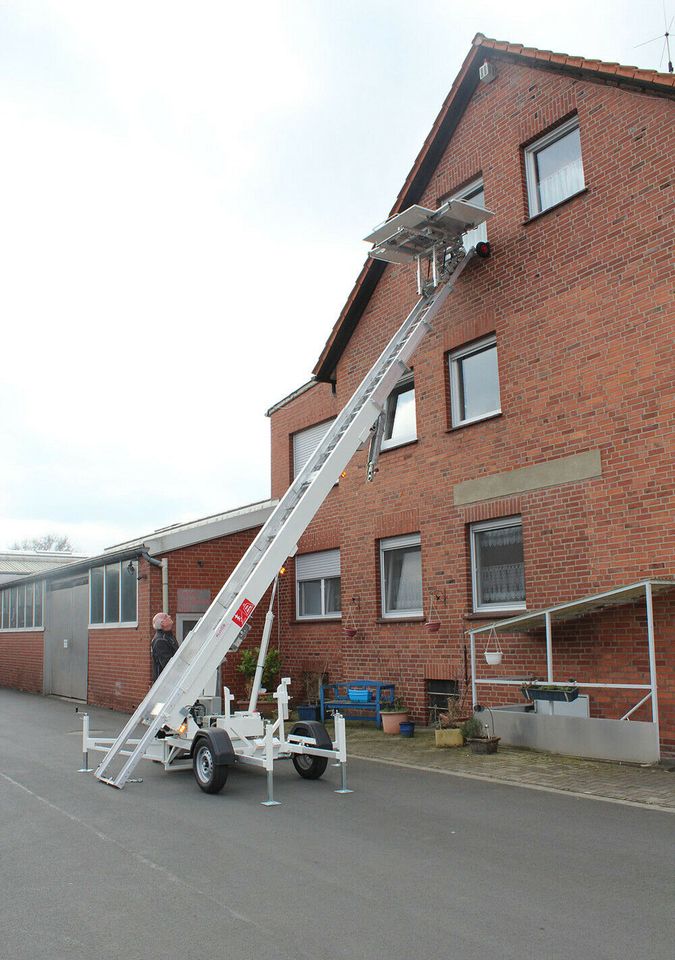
column 48, row 542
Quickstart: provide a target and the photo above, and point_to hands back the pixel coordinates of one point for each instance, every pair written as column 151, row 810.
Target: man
column 164, row 643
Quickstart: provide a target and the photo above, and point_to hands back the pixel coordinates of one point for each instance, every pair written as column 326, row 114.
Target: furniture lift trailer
column 171, row 724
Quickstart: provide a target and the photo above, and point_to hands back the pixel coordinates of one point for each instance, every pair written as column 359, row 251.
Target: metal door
column 67, row 638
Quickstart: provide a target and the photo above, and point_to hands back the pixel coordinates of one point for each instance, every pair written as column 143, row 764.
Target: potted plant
column 477, row 735
column 272, row 668
column 565, row 692
column 448, row 725
column 393, row 714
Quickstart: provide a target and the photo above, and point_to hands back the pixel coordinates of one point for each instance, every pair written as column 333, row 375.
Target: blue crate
column 358, row 696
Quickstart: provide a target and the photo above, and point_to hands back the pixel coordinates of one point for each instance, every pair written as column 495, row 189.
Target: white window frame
column 114, row 624
column 479, row 233
column 12, row 592
column 328, row 559
column 320, row 430
column 533, row 202
column 454, row 360
column 397, row 543
column 478, row 528
column 404, row 384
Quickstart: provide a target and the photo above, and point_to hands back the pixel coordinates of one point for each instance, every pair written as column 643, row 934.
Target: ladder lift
column 171, row 725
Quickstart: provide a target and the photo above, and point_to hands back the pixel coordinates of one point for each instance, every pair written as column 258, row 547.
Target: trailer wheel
column 310, row 768
column 210, row 776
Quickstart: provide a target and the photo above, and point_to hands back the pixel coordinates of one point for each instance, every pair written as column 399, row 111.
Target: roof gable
column 451, row 112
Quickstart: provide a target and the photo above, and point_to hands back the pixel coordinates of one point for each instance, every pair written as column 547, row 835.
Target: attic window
column 553, row 167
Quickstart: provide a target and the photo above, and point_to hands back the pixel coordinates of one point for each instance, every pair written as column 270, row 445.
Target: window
column 474, row 382
column 400, row 424
column 317, row 577
column 305, row 443
column 553, row 167
column 401, row 576
column 112, row 593
column 21, row 607
column 497, row 565
column 473, row 193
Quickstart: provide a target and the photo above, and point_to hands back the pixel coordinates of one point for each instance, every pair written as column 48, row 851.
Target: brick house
column 83, row 631
column 528, row 455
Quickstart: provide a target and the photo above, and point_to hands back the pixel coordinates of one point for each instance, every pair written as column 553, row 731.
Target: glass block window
column 553, row 167
column 498, row 565
column 317, row 578
column 401, row 576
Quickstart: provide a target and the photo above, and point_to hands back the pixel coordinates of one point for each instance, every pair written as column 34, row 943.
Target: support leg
column 269, row 766
column 85, row 768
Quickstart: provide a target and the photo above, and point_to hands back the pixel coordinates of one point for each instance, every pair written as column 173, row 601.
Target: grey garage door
column 67, row 638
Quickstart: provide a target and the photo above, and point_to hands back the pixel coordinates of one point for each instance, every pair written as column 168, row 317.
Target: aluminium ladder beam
column 220, row 629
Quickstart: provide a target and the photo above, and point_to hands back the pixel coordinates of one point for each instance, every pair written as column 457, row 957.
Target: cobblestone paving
column 650, row 785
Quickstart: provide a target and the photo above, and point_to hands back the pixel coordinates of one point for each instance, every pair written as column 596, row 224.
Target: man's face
column 167, row 624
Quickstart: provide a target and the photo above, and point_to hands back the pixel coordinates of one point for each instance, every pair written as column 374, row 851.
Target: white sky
column 183, row 193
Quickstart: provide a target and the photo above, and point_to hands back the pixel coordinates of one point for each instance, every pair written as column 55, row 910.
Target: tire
column 210, row 776
column 309, row 768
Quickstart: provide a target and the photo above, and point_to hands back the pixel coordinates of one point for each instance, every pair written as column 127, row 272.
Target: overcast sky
column 184, row 189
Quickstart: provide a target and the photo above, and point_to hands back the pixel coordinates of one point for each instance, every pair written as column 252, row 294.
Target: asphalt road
column 411, row 865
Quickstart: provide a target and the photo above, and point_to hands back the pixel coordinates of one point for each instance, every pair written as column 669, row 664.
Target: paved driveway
column 413, row 864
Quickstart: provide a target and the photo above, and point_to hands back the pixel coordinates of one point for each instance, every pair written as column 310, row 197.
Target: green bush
column 272, row 668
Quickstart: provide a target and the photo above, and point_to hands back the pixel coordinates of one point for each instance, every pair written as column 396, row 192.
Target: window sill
column 495, row 614
column 22, row 630
column 314, row 620
column 473, row 423
column 413, row 618
column 113, row 626
column 556, row 206
column 398, row 446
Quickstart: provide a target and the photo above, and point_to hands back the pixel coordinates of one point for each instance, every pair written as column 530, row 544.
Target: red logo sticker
column 243, row 613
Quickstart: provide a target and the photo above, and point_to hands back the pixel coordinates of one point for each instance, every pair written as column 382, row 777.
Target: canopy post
column 474, row 699
column 652, row 655
column 549, row 647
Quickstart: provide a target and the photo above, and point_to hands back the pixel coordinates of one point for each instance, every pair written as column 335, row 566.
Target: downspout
column 164, row 564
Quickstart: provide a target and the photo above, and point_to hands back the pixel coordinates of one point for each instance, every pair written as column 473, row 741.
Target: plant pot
column 392, row 721
column 433, row 626
column 449, row 737
column 483, row 744
column 349, row 631
column 407, row 728
column 308, row 711
column 540, row 693
column 493, row 657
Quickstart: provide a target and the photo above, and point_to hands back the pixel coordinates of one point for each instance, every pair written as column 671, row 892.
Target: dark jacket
column 163, row 647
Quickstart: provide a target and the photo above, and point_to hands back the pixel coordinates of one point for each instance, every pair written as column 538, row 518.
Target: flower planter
column 392, row 721
column 566, row 694
column 483, row 744
column 349, row 631
column 493, row 657
column 407, row 728
column 433, row 626
column 450, row 737
column 308, row 711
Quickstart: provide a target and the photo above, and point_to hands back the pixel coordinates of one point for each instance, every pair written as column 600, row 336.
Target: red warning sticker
column 243, row 613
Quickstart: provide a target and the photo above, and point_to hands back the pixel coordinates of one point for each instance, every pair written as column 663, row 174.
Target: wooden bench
column 357, row 699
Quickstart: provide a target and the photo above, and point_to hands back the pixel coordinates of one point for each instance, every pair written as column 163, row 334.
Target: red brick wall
column 579, row 299
column 21, row 660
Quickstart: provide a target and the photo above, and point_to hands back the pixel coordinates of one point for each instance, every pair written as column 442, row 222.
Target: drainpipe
column 164, row 564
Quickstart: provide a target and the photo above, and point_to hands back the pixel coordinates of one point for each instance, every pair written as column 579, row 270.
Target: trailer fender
column 221, row 745
column 315, row 730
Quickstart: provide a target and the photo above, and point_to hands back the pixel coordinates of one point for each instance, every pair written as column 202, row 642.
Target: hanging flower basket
column 349, row 631
column 433, row 624
column 493, row 650
column 349, row 627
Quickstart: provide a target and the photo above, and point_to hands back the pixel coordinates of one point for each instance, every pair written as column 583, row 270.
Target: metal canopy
column 414, row 232
column 529, row 622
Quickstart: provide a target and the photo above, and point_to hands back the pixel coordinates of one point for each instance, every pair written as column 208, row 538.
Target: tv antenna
column 666, row 41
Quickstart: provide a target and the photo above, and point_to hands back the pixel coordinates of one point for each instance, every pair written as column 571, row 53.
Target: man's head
column 162, row 621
